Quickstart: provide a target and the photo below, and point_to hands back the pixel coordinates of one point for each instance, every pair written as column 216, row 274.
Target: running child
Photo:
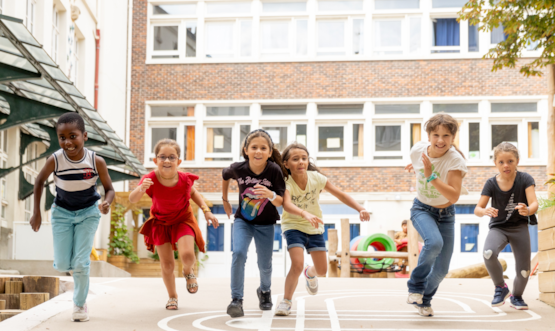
column 171, row 219
column 76, row 209
column 261, row 188
column 302, row 224
column 513, row 205
column 440, row 168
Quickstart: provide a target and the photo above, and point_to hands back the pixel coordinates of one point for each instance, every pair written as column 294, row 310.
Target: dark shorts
column 312, row 242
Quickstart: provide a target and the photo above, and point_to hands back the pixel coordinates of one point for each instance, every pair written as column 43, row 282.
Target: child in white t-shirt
column 440, row 168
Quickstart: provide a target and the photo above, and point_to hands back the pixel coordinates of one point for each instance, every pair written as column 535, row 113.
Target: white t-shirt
column 452, row 160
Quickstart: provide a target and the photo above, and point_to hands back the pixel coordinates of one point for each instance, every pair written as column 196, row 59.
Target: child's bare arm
column 533, row 205
column 481, row 209
column 107, row 183
column 210, row 218
column 227, row 205
column 348, row 200
column 48, row 169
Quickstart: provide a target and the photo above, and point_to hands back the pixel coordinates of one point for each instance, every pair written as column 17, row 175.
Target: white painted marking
column 333, row 315
column 268, row 315
column 299, row 321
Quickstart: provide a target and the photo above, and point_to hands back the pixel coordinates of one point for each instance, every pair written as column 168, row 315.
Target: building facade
column 354, row 81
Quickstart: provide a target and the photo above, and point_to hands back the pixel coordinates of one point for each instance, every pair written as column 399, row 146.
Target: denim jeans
column 73, row 233
column 437, row 228
column 243, row 232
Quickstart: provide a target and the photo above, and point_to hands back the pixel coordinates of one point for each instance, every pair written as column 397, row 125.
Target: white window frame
column 404, row 38
column 522, row 140
column 180, row 44
column 346, row 36
column 347, row 141
column 234, row 145
column 435, row 49
column 291, row 39
column 280, row 123
column 526, row 121
column 405, row 141
column 55, row 33
column 30, row 15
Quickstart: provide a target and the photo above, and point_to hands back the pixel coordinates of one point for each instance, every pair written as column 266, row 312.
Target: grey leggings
column 497, row 239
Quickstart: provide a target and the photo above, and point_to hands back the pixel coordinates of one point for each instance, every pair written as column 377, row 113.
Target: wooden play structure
column 18, row 294
column 339, row 259
column 546, row 255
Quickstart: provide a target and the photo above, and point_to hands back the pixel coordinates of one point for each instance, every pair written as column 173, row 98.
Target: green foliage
column 546, row 203
column 120, row 243
column 524, row 22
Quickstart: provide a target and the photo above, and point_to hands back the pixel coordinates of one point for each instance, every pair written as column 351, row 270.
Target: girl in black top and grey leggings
column 513, row 206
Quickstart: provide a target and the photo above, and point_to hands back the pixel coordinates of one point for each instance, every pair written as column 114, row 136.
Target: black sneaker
column 235, row 308
column 501, row 294
column 265, row 299
column 518, row 303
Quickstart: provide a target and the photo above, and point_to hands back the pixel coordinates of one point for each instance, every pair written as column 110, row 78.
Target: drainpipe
column 97, row 39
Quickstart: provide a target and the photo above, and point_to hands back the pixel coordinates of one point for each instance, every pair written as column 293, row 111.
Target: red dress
column 171, row 215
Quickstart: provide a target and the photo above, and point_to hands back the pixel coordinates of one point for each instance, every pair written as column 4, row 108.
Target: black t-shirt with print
column 506, row 201
column 251, row 209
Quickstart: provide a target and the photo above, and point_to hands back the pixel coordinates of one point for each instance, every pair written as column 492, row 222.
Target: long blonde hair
column 448, row 122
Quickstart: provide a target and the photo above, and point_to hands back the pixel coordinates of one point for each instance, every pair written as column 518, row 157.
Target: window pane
column 191, row 46
column 330, row 139
column 274, row 37
column 215, row 238
column 532, row 45
column 388, row 35
column 415, row 133
column 189, row 143
column 415, row 38
column 162, row 133
column 339, row 5
column 228, row 111
column 165, row 38
column 498, row 35
column 514, row 107
column 339, row 109
column 331, row 34
column 358, row 141
column 388, row 138
column 219, row 39
column 469, row 238
column 278, row 135
column 302, row 37
column 228, row 7
column 448, row 3
column 245, row 129
column 446, row 32
column 473, row 141
column 283, row 7
column 218, row 140
column 277, row 238
column 182, row 9
column 246, row 38
column 283, row 110
column 465, row 209
column 301, row 134
column 354, row 230
column 358, row 36
column 397, row 109
column 473, row 38
column 337, row 209
column 533, row 140
column 397, row 4
column 171, row 111
column 456, row 108
column 501, row 133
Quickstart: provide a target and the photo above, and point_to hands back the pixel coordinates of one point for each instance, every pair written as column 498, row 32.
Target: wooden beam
column 30, row 300
column 14, row 287
column 413, row 249
column 377, row 254
column 346, row 256
column 546, row 260
column 546, row 218
column 332, row 248
column 547, row 282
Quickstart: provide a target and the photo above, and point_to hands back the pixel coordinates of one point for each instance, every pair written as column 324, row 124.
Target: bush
column 120, row 243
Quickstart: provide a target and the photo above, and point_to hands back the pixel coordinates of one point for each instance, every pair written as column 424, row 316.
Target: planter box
column 546, row 260
column 119, row 261
column 547, row 282
column 546, row 239
column 548, row 298
column 546, row 218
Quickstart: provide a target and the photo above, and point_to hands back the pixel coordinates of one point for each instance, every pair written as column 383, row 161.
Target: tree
column 524, row 23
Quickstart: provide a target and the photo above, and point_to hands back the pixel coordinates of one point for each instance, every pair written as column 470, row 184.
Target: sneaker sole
column 519, row 308
column 310, row 290
column 502, row 302
column 262, row 308
column 235, row 312
column 80, row 320
column 426, row 315
column 414, row 303
column 282, row 313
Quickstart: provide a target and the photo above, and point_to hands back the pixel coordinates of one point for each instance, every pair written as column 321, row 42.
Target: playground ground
column 137, row 304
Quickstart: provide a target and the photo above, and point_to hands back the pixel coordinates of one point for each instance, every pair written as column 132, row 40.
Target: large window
column 284, row 37
column 331, row 142
column 387, row 142
column 473, row 141
column 498, row 35
column 218, row 144
column 278, row 135
column 163, row 124
column 446, row 35
column 504, row 133
column 533, row 140
column 388, row 37
column 469, row 238
column 223, row 41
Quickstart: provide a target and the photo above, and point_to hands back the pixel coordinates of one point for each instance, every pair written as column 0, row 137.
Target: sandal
column 172, row 302
column 193, row 285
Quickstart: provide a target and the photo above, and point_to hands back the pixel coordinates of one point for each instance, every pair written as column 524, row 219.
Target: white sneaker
column 426, row 311
column 80, row 314
column 414, row 299
column 284, row 308
column 311, row 283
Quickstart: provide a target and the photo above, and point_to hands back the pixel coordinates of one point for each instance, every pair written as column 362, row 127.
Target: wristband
column 224, row 199
column 432, row 177
column 274, row 197
column 205, row 209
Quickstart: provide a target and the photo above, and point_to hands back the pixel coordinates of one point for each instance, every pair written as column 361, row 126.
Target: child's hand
column 228, row 209
column 35, row 222
column 364, row 215
column 314, row 220
column 263, row 192
column 211, row 219
column 427, row 165
column 523, row 209
column 409, row 168
column 146, row 184
column 491, row 212
column 104, row 207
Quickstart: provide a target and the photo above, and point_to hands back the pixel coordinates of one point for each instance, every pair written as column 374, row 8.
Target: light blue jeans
column 73, row 233
column 437, row 228
column 263, row 235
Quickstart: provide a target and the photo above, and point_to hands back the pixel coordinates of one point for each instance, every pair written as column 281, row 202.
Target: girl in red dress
column 171, row 219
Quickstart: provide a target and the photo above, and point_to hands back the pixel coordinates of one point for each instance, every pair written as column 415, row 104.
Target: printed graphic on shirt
column 251, row 205
column 510, row 207
column 303, row 201
column 427, row 189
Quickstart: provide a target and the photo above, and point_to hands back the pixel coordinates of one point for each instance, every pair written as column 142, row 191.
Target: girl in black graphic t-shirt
column 513, row 207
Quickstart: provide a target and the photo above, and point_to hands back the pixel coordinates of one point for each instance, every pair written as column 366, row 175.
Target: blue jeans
column 73, row 233
column 437, row 228
column 243, row 232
